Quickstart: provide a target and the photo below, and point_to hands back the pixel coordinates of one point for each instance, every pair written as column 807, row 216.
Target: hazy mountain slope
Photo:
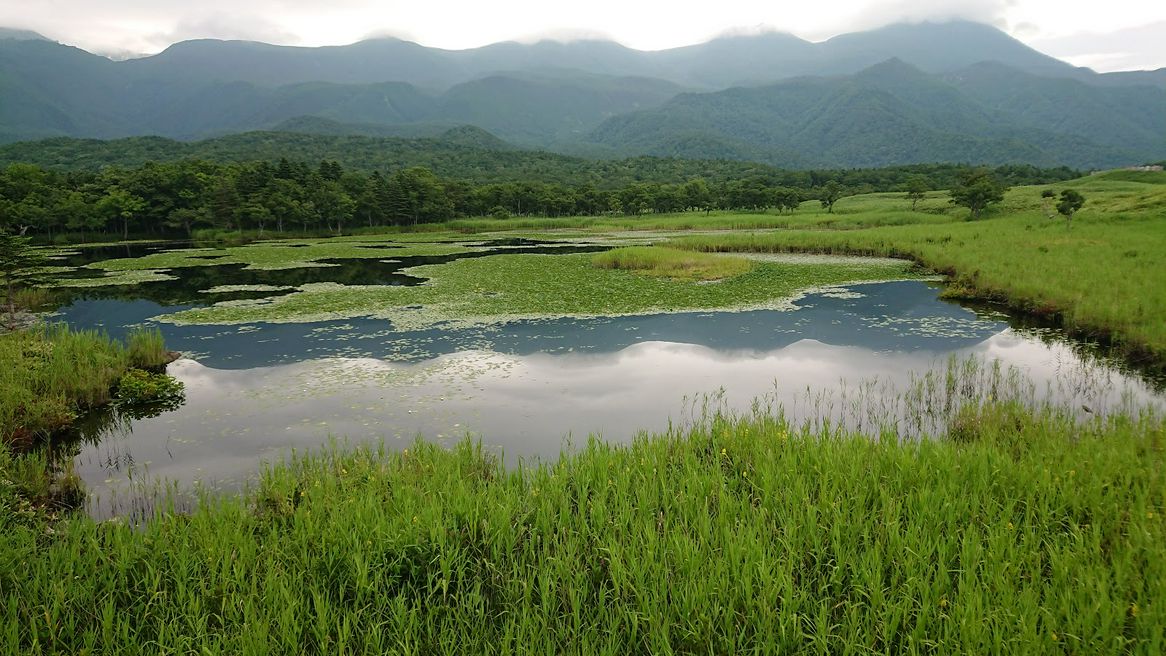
column 376, row 60
column 326, row 126
column 241, row 106
column 891, row 113
column 933, row 99
column 550, row 106
column 20, row 35
column 736, row 60
column 50, row 90
column 47, row 88
column 934, row 47
column 1132, row 117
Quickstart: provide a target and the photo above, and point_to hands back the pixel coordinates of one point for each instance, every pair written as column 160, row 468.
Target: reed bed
column 1018, row 531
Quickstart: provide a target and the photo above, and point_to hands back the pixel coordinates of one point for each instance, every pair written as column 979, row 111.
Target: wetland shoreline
column 1019, row 527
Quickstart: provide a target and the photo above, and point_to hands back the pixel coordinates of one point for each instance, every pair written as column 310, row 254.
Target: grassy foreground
column 1017, row 534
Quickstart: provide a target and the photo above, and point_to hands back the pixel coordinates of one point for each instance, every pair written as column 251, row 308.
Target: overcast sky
column 1108, row 35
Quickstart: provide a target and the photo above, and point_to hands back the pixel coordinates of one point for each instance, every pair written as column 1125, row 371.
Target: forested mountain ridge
column 893, row 113
column 770, row 97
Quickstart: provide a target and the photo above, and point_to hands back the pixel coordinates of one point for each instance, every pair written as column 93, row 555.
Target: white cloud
column 1125, row 49
column 151, row 25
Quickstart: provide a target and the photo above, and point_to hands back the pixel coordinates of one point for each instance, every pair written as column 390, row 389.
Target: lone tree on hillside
column 978, row 190
column 21, row 266
column 831, row 192
column 916, row 190
column 1070, row 202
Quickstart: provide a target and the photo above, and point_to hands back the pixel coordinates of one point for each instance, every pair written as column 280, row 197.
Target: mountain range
column 928, row 92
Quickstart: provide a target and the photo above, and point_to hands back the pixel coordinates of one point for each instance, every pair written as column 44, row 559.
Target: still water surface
column 532, row 388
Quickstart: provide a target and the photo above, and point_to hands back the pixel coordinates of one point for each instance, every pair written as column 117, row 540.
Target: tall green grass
column 671, row 263
column 740, row 534
column 146, row 349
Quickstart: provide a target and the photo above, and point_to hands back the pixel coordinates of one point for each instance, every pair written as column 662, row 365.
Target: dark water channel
column 256, row 391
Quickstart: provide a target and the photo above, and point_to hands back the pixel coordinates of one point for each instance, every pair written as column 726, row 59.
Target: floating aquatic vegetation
column 230, row 289
column 129, row 277
column 503, row 288
column 279, row 255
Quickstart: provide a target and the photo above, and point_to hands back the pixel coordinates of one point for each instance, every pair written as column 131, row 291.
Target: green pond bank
column 51, row 376
column 1015, row 533
column 1101, row 278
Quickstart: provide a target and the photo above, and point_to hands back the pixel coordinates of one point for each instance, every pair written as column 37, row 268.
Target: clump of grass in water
column 53, row 374
column 36, row 486
column 146, row 348
column 933, row 403
column 671, row 263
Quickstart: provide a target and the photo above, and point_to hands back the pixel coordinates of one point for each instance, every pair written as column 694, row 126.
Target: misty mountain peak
column 12, row 34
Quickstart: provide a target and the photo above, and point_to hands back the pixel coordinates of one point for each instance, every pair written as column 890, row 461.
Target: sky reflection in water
column 529, row 388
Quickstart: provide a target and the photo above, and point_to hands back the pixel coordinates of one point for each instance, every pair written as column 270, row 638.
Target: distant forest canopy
column 178, row 198
column 467, row 154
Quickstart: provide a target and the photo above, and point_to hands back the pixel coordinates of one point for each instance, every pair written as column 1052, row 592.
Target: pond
column 533, row 387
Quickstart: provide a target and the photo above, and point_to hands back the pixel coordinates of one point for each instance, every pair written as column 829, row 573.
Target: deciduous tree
column 977, row 191
column 1070, row 202
column 21, row 266
column 830, row 194
column 916, row 190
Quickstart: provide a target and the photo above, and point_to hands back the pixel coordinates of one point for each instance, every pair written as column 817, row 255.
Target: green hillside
column 893, row 113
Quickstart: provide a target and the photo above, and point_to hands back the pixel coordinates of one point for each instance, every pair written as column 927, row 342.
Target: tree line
column 178, row 198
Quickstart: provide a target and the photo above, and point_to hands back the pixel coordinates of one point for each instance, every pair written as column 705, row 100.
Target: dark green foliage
column 195, row 197
column 1071, row 201
column 916, row 190
column 21, row 266
column 830, row 194
column 52, row 375
column 138, row 386
column 977, row 191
